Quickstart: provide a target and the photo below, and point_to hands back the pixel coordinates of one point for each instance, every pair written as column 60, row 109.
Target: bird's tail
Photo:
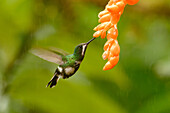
column 53, row 81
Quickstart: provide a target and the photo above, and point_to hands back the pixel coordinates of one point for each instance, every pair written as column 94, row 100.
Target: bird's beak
column 90, row 41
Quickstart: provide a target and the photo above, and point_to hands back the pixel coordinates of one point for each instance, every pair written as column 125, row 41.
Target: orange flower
column 109, row 19
column 132, row 2
column 112, row 33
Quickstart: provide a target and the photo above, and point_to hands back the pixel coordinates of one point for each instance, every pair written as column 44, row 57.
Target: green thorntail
column 67, row 64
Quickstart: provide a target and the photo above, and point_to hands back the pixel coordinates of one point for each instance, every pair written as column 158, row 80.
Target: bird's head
column 80, row 50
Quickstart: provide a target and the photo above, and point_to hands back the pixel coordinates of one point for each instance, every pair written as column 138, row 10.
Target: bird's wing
column 59, row 51
column 49, row 55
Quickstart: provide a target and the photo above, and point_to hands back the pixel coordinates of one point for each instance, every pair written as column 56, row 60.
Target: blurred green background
column 140, row 83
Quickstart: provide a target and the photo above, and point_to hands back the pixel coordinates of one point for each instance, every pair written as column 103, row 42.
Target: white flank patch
column 84, row 46
column 60, row 69
column 69, row 70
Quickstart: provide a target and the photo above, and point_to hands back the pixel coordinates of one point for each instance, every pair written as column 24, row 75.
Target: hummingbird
column 67, row 64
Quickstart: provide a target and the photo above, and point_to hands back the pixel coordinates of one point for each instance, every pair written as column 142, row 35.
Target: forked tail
column 53, row 81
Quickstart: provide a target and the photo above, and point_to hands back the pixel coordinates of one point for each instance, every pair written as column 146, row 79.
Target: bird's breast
column 69, row 70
